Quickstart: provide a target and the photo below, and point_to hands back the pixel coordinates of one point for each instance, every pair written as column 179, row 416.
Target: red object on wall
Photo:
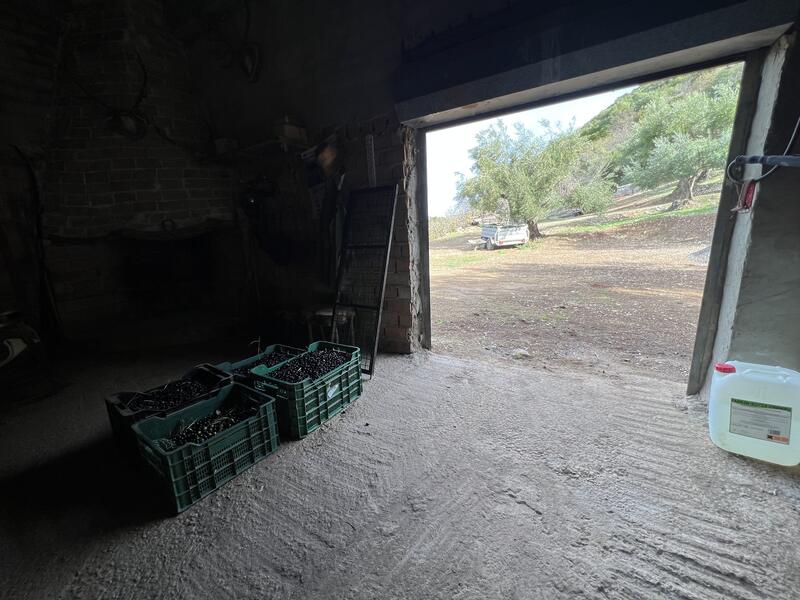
column 746, row 196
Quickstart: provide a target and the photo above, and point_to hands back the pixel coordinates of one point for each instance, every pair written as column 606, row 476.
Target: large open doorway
column 618, row 193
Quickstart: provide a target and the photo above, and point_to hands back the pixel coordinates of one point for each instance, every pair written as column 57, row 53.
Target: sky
column 448, row 149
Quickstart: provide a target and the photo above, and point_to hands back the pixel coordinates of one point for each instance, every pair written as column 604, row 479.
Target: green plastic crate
column 191, row 472
column 304, row 406
column 230, row 367
column 121, row 417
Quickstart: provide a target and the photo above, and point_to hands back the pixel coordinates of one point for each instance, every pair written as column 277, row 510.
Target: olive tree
column 533, row 174
column 681, row 138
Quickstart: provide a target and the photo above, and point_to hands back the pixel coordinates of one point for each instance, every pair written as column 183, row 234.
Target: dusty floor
column 613, row 299
column 581, row 471
column 450, row 478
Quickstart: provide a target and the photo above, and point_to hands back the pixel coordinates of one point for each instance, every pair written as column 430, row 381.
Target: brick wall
column 394, row 164
column 102, row 186
column 117, row 287
column 99, row 181
column 336, row 79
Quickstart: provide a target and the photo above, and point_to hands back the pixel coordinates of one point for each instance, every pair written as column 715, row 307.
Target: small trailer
column 503, row 236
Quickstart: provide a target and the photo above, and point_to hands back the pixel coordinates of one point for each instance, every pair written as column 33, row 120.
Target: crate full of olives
column 270, row 358
column 313, row 387
column 126, row 408
column 196, row 450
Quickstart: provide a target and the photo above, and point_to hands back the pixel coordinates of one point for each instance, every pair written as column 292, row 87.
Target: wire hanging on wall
column 738, row 160
column 246, row 54
column 131, row 122
column 134, row 122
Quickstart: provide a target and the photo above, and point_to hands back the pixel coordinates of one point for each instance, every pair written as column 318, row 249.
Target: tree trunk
column 533, row 230
column 702, row 176
column 683, row 193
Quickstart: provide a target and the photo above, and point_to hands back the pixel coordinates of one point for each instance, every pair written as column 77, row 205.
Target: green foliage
column 592, row 197
column 677, row 138
column 629, row 108
column 701, row 104
column 442, row 227
column 529, row 175
column 687, row 108
column 678, row 157
column 705, row 205
column 659, row 132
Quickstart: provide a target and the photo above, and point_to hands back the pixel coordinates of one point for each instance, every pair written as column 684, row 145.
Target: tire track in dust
column 660, row 477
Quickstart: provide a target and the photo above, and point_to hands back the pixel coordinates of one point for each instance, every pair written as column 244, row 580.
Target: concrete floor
column 450, row 478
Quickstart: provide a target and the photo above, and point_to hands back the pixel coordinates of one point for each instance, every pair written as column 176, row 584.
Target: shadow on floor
column 83, row 493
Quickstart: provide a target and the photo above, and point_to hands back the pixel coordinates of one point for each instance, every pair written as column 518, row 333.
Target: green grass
column 457, row 233
column 446, row 227
column 716, row 177
column 704, row 205
column 531, row 245
column 452, row 260
column 455, row 260
column 462, row 259
column 559, row 315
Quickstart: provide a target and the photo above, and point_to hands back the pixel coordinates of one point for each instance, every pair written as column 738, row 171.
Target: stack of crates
column 305, row 405
column 242, row 370
column 192, row 471
column 122, row 415
column 289, row 410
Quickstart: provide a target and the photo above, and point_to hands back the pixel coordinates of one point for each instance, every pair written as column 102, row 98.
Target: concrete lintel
column 704, row 38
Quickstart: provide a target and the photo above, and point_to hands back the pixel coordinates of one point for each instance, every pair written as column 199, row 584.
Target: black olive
column 311, row 365
column 270, row 360
column 172, row 395
column 208, row 426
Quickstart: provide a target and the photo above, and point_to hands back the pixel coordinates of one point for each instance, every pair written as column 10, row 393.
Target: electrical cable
column 763, row 176
column 135, row 112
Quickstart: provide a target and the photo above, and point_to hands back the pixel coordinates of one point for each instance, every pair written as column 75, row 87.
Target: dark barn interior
column 190, row 182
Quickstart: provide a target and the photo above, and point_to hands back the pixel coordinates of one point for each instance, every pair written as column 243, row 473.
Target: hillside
column 672, row 131
column 627, row 109
column 704, row 100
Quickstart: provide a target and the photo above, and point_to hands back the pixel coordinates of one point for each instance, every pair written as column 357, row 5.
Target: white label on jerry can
column 332, row 389
column 761, row 421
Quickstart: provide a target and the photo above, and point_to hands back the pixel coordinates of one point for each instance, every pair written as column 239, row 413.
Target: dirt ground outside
column 591, row 295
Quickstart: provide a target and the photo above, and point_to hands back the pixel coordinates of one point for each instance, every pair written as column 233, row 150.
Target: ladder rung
column 359, row 306
column 364, row 246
